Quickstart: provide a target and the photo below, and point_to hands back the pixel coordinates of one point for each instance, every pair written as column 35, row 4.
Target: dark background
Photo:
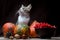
column 41, row 11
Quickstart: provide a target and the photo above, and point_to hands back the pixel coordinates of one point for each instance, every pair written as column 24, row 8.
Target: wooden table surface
column 53, row 38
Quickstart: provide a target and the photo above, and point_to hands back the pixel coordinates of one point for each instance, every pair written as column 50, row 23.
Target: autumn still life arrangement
column 35, row 30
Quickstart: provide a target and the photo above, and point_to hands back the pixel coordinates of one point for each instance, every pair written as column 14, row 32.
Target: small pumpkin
column 8, row 28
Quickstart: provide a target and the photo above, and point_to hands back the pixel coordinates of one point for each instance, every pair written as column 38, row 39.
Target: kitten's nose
column 26, row 10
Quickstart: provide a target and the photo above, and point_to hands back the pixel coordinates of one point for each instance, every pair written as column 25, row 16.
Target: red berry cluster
column 43, row 25
column 36, row 24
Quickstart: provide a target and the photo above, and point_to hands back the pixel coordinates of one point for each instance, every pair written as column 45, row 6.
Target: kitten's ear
column 22, row 5
column 29, row 6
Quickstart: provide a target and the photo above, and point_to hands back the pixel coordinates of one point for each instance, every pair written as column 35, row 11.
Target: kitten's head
column 25, row 8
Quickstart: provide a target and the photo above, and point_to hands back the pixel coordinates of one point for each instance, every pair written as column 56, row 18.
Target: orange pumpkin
column 8, row 27
column 32, row 29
